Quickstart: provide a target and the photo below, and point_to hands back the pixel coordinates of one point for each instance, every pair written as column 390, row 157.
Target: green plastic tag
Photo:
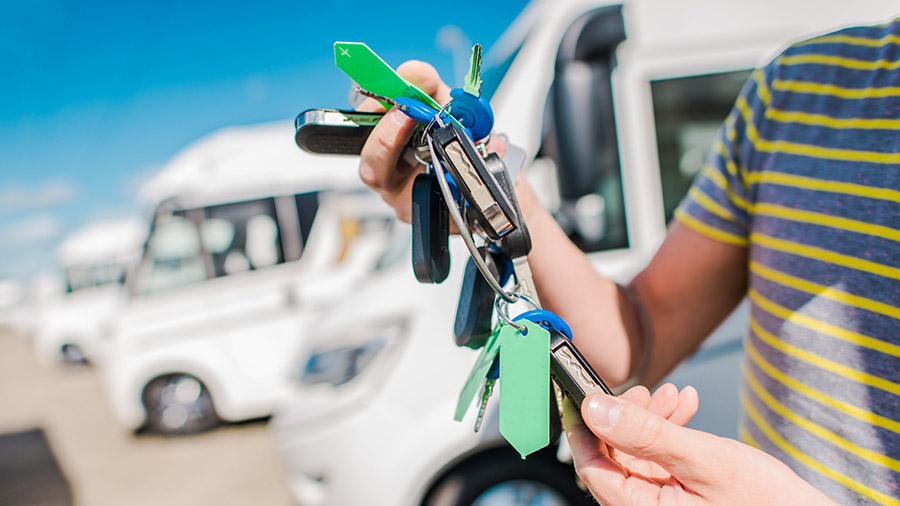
column 478, row 374
column 525, row 387
column 368, row 70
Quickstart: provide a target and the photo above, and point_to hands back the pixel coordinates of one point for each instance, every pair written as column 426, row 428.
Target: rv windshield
column 173, row 256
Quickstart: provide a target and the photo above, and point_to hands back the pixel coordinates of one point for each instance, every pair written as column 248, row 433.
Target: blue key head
column 415, row 109
column 547, row 320
column 473, row 112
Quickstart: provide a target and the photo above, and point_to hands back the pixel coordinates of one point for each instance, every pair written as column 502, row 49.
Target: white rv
column 95, row 260
column 616, row 104
column 250, row 239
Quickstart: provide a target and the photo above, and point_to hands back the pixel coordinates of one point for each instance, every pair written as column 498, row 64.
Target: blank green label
column 525, row 387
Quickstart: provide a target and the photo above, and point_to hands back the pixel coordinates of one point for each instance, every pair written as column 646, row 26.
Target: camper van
column 250, row 239
column 616, row 104
column 95, row 260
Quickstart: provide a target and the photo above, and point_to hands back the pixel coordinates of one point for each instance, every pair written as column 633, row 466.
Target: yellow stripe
column 710, row 204
column 824, row 291
column 837, row 61
column 762, row 89
column 716, row 177
column 707, row 230
column 730, row 166
column 856, row 41
column 747, row 438
column 812, row 463
column 830, row 122
column 821, row 362
column 837, row 91
column 818, row 430
column 824, row 255
column 820, row 397
column 821, row 327
column 825, row 220
column 809, row 183
column 808, row 149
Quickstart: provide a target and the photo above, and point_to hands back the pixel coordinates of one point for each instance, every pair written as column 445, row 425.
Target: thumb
column 639, row 432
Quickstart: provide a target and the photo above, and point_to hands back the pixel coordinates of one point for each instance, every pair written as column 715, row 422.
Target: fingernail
column 399, row 117
column 604, row 411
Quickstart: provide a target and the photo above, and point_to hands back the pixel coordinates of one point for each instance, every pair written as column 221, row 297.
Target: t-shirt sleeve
column 719, row 203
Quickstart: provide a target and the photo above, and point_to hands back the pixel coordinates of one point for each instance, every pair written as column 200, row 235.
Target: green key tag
column 373, row 74
column 525, row 387
column 479, row 372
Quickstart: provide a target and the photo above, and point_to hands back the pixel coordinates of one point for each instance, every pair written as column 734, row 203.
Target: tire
column 178, row 404
column 501, row 477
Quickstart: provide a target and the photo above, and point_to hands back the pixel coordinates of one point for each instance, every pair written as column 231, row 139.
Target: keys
column 472, row 84
column 492, row 208
column 569, row 369
column 489, row 382
column 430, row 230
column 476, row 300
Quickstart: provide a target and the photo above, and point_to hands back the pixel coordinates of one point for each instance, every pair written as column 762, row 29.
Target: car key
column 570, row 370
column 430, row 230
column 475, row 308
column 492, row 208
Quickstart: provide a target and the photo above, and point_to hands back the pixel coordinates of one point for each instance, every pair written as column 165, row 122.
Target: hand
column 382, row 164
column 635, row 452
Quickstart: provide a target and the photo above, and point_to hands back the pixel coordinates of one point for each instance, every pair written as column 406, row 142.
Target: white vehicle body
column 388, row 437
column 250, row 240
column 95, row 259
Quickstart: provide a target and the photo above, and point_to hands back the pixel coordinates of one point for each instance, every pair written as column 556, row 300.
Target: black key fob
column 569, row 369
column 334, row 131
column 430, row 230
column 476, row 304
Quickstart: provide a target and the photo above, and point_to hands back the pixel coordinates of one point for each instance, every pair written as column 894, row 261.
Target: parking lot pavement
column 107, row 465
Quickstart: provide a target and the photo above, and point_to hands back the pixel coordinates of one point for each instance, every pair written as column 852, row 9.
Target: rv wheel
column 178, row 404
column 502, row 478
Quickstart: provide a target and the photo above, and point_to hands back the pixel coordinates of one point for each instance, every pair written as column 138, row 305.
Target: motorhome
column 250, row 238
column 616, row 104
column 95, row 260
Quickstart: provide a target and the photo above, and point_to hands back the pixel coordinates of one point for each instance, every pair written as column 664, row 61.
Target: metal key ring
column 502, row 311
column 463, row 231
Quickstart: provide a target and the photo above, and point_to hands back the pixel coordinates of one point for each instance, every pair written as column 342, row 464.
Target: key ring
column 502, row 311
column 463, row 231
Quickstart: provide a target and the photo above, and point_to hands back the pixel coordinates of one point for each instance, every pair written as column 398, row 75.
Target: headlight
column 336, row 366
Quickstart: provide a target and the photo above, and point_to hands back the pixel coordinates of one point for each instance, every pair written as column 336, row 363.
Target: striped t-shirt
column 805, row 173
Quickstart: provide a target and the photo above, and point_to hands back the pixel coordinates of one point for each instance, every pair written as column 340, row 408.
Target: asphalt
column 59, row 445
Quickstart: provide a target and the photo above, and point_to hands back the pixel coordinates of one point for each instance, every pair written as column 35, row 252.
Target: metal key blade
column 485, row 397
column 472, row 84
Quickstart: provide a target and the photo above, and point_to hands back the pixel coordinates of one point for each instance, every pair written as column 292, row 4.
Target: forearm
column 605, row 325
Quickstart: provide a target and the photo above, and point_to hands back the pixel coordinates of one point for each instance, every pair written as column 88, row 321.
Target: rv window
column 688, row 112
column 242, row 236
column 173, row 256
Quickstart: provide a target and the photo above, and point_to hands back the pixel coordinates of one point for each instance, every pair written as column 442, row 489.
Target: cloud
column 40, row 196
column 31, row 232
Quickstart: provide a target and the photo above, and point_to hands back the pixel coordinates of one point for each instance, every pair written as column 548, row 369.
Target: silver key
column 525, row 280
column 485, row 396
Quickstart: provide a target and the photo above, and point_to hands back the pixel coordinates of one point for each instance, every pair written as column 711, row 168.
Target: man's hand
column 381, row 165
column 634, row 451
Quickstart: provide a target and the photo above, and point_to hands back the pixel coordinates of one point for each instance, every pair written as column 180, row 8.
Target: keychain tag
column 479, row 372
column 525, row 387
column 373, row 74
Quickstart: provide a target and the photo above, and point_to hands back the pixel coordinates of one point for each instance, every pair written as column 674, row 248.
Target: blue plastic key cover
column 472, row 112
column 547, row 320
column 416, row 110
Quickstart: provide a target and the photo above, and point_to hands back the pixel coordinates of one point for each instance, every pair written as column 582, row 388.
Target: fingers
column 426, row 78
column 688, row 404
column 644, row 434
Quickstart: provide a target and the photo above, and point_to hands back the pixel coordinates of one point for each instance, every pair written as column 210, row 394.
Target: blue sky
column 96, row 95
